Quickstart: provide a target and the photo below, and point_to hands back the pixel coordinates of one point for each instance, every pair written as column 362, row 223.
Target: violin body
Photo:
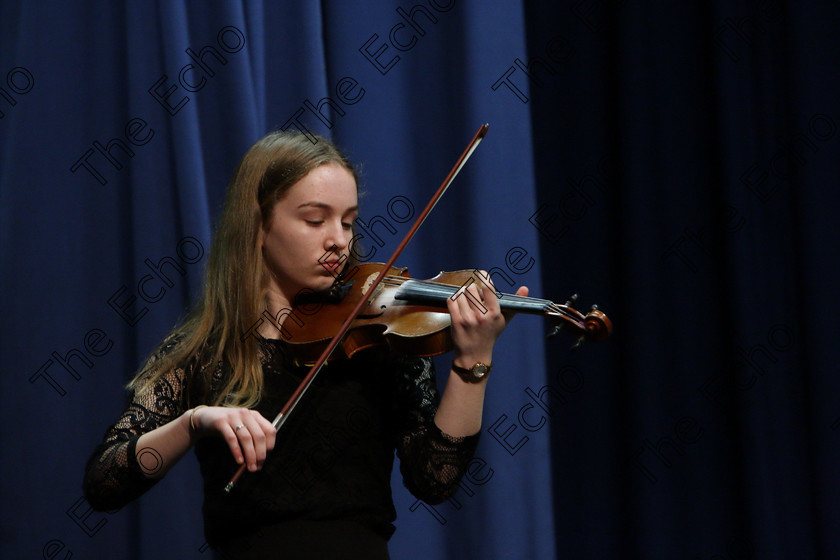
column 411, row 315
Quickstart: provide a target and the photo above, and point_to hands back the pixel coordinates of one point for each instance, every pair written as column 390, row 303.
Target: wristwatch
column 475, row 374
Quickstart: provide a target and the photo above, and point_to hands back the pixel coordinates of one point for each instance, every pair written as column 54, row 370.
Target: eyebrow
column 326, row 206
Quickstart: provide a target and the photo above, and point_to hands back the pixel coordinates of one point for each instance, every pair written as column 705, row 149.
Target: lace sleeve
column 113, row 476
column 431, row 462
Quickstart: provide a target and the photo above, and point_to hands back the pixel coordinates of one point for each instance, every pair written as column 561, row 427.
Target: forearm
column 461, row 406
column 157, row 451
column 475, row 328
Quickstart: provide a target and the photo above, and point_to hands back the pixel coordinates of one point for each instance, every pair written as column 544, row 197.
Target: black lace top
column 332, row 459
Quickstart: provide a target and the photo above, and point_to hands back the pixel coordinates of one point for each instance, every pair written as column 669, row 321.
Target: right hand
column 250, row 443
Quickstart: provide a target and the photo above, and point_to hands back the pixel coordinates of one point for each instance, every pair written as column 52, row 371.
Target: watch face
column 480, row 370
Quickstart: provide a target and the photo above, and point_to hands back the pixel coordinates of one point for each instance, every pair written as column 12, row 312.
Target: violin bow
column 281, row 417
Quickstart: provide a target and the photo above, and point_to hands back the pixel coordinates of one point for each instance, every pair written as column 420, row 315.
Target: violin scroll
column 598, row 325
column 595, row 326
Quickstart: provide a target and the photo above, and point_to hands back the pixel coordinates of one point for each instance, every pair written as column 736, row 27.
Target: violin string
column 436, row 290
column 433, row 290
column 422, row 289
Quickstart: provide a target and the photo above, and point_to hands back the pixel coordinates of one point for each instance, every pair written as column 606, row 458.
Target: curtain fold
column 673, row 163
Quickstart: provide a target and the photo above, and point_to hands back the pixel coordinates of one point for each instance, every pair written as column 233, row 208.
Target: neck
column 275, row 303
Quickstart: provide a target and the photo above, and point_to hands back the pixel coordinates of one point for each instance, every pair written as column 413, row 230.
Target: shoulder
column 171, row 367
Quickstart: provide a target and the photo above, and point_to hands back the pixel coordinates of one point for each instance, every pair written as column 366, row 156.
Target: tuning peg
column 571, row 300
column 577, row 344
column 553, row 333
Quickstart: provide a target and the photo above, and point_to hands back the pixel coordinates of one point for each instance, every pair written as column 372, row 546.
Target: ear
column 261, row 237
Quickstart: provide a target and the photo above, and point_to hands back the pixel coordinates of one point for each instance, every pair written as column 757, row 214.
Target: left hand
column 477, row 321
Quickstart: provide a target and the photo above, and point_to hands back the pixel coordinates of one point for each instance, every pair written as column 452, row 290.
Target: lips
column 331, row 265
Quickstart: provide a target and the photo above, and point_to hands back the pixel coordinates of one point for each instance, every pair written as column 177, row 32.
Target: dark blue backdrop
column 675, row 163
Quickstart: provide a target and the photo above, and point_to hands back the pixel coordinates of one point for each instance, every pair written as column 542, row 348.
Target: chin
column 322, row 284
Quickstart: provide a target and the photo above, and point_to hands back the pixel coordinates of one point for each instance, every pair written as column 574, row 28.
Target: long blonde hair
column 236, row 276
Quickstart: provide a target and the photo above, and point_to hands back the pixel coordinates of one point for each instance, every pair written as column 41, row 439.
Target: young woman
column 324, row 492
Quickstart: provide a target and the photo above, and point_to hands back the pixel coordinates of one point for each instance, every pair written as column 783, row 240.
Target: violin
column 410, row 316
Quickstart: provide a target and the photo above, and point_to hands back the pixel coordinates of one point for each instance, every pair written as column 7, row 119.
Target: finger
column 242, row 444
column 487, row 293
column 264, row 433
column 491, row 300
column 232, row 440
column 456, row 314
column 470, row 305
column 523, row 291
column 486, row 280
column 268, row 429
column 454, row 307
column 251, row 439
column 483, row 304
column 258, row 438
column 246, row 443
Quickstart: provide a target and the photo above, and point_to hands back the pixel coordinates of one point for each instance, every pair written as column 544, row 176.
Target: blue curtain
column 674, row 163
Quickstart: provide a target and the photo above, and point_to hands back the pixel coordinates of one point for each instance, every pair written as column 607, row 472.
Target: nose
column 337, row 238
